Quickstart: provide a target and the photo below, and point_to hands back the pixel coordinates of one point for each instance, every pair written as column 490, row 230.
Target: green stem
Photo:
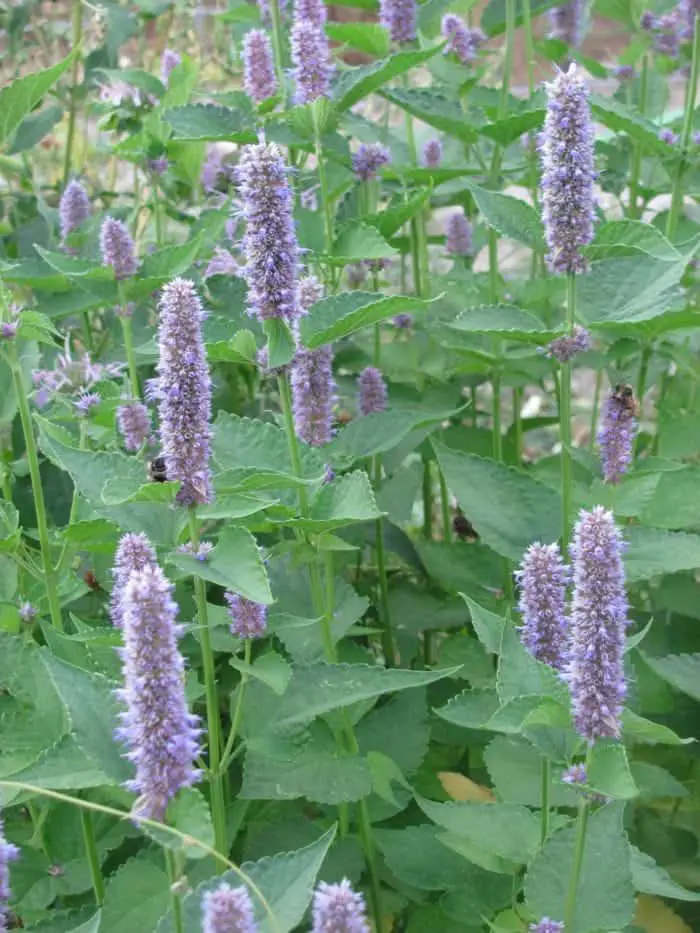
column 596, row 408
column 387, row 635
column 128, row 334
column 326, row 203
column 175, row 898
column 690, row 93
column 636, row 168
column 577, row 864
column 93, row 858
column 419, row 240
column 277, row 42
column 38, row 493
column 375, row 895
column 445, row 508
column 77, row 33
column 427, row 500
column 212, row 703
column 236, row 721
column 496, row 414
column 292, row 442
column 156, row 208
column 518, row 424
column 565, row 417
column 546, row 781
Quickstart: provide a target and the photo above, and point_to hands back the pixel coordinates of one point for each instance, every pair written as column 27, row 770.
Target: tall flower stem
column 419, row 241
column 238, row 711
column 565, row 417
column 128, row 334
column 577, row 864
column 93, row 858
column 546, row 781
column 37, row 491
column 530, row 65
column 175, row 897
column 216, row 777
column 595, row 410
column 277, row 42
column 634, row 210
column 690, row 95
column 387, row 635
column 76, row 37
column 445, row 508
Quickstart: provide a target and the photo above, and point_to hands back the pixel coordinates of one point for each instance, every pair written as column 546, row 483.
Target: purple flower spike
column 458, row 234
column 161, row 735
column 616, row 435
column 598, row 620
column 565, row 348
column 399, row 18
column 228, row 910
column 8, row 853
column 117, row 247
column 546, row 925
column 134, row 423
column 73, row 208
column 270, row 243
column 576, row 774
column 185, row 388
column 624, row 72
column 309, row 291
column 312, row 10
column 134, row 553
column 566, row 150
column 372, row 394
column 221, row 263
column 338, row 909
column 27, row 612
column 432, row 153
column 248, row 618
column 566, row 23
column 666, row 135
column 312, row 394
column 87, row 401
column 168, row 63
column 368, row 159
column 461, row 40
column 403, row 321
column 212, row 168
column 259, row 77
column 543, row 578
column 311, row 58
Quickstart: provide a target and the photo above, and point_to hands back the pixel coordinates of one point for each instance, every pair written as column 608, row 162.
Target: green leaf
column 399, row 729
column 651, row 878
column 652, row 552
column 493, row 18
column 370, row 38
column 503, row 320
column 630, row 237
column 211, row 122
column 638, row 729
column 246, row 444
column 280, row 343
column 137, row 896
column 34, row 127
column 359, row 242
column 344, row 501
column 506, row 830
column 434, row 108
column 511, row 128
column 234, row 563
column 508, row 508
column 509, row 216
column 171, row 261
column 286, row 881
column 624, row 119
column 416, row 857
column 271, row 668
column 682, row 671
column 189, row 813
column 516, row 771
column 389, row 221
column 19, row 98
column 487, row 625
column 674, row 504
column 605, row 898
column 375, row 433
column 338, row 316
column 356, row 83
column 520, row 674
column 608, row 771
column 481, row 709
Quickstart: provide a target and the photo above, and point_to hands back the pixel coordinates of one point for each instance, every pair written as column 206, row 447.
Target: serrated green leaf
column 627, row 237
column 34, row 127
column 436, row 109
column 370, row 38
column 509, row 216
column 375, row 433
column 356, row 83
column 638, row 729
column 651, row 878
column 360, row 242
column 416, row 857
column 390, row 220
column 171, row 261
column 19, row 98
column 682, row 671
column 520, row 674
column 487, row 625
column 624, row 119
column 503, row 320
column 652, row 552
column 493, row 18
column 511, row 128
column 137, row 896
column 344, row 501
column 339, row 316
column 211, row 122
column 608, row 772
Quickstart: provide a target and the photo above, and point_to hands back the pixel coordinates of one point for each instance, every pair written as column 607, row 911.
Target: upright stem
column 690, row 93
column 128, row 335
column 596, row 408
column 419, row 241
column 546, row 781
column 577, row 864
column 387, row 635
column 93, row 857
column 277, row 42
column 77, row 33
column 375, row 894
column 236, row 721
column 216, row 776
column 175, row 897
column 518, row 424
column 38, row 493
column 565, row 417
column 496, row 414
column 427, row 500
column 325, row 198
column 636, row 168
column 445, row 509
column 530, row 64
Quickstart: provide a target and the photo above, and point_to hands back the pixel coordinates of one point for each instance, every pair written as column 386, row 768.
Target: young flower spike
column 169, row 61
column 134, row 553
column 312, row 10
column 458, row 234
column 616, row 435
column 372, row 395
column 73, row 208
column 259, row 77
column 566, row 23
column 399, row 18
column 248, row 618
column 312, row 395
column 368, row 159
column 432, row 153
column 566, row 149
column 338, row 909
column 8, row 853
column 228, row 910
column 311, row 58
column 117, row 247
column 185, row 392
column 157, row 728
column 134, row 423
column 543, row 578
column 595, row 669
column 565, row 348
column 461, row 40
column 269, row 243
column 546, row 925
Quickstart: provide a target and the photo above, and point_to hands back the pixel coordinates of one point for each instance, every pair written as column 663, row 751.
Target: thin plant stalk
column 238, row 711
column 690, row 95
column 216, row 776
column 635, row 211
column 175, row 897
column 595, row 410
column 128, row 334
column 518, row 423
column 577, row 864
column 93, row 858
column 445, row 509
column 565, row 416
column 76, row 38
column 326, row 203
column 277, row 45
column 387, row 635
column 427, row 499
column 544, row 813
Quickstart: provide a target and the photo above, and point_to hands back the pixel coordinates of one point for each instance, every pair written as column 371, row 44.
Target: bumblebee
column 463, row 528
column 157, row 472
column 624, row 395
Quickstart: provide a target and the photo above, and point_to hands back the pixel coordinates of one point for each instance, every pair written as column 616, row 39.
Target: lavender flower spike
column 311, row 58
column 566, row 150
column 566, row 22
column 565, row 348
column 616, row 435
column 372, row 391
column 134, row 553
column 399, row 18
column 185, row 388
column 432, row 153
column 312, row 395
column 157, row 728
column 461, row 40
column 459, row 234
column 547, row 926
column 312, row 10
column 259, row 77
column 270, row 243
column 8, row 853
column 543, row 578
column 73, row 208
column 169, row 61
column 117, row 247
column 248, row 618
column 228, row 910
column 134, row 423
column 368, row 159
column 598, row 620
column 338, row 909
